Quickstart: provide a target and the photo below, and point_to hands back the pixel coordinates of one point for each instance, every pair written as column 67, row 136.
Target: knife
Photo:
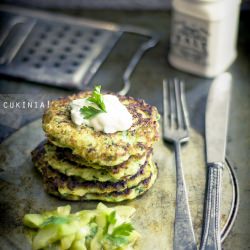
column 217, row 111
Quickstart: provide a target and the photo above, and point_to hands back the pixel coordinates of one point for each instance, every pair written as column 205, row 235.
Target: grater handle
column 153, row 40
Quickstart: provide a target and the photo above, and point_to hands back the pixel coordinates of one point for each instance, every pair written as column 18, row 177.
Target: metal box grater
column 59, row 50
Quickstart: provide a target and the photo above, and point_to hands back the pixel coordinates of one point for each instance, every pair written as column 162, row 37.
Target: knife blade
column 217, row 113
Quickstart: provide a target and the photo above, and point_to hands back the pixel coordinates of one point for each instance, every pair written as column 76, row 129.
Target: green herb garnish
column 117, row 241
column 123, row 230
column 55, row 220
column 89, row 111
column 96, row 98
column 110, row 220
column 120, row 234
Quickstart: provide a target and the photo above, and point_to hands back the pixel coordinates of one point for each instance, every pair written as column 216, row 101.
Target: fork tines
column 175, row 114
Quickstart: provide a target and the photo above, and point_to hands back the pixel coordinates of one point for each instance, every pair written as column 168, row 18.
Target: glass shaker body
column 203, row 35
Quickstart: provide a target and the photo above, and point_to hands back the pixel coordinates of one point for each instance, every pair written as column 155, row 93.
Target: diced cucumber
column 95, row 244
column 67, row 241
column 64, row 211
column 60, row 211
column 101, row 229
column 82, row 232
column 79, row 245
column 33, row 220
column 52, row 233
column 85, row 216
column 101, row 206
column 45, row 237
column 101, row 219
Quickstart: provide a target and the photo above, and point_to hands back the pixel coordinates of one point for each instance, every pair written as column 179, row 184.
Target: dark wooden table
column 147, row 84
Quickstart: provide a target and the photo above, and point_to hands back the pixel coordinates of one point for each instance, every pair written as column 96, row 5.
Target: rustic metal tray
column 60, row 50
column 22, row 192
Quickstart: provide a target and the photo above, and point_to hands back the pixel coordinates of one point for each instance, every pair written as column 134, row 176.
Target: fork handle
column 211, row 231
column 183, row 230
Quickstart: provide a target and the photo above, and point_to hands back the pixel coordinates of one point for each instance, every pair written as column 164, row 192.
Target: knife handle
column 211, row 239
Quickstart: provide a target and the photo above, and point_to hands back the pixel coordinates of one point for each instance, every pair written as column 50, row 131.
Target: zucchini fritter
column 61, row 161
column 98, row 147
column 77, row 187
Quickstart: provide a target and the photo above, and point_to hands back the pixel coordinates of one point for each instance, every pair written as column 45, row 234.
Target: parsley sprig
column 120, row 234
column 96, row 98
column 111, row 220
column 123, row 230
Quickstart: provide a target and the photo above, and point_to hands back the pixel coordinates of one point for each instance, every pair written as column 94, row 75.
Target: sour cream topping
column 117, row 117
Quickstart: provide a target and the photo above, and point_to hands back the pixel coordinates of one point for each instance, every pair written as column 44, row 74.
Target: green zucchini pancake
column 75, row 188
column 59, row 160
column 99, row 147
column 106, row 149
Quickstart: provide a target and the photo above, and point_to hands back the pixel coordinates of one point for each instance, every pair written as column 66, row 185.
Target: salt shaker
column 203, row 35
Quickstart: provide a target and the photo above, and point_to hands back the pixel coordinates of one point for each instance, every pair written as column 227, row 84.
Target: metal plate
column 22, row 192
column 53, row 49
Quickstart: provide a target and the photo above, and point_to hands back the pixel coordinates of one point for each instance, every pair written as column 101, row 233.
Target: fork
column 176, row 131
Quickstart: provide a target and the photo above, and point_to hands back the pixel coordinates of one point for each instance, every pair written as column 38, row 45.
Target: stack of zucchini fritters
column 79, row 163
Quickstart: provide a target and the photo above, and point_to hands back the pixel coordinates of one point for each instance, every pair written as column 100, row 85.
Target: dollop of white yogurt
column 117, row 117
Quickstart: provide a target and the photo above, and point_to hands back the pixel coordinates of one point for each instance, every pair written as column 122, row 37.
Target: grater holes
column 78, row 33
column 97, row 33
column 69, row 71
column 37, row 65
column 54, row 42
column 25, row 59
column 43, row 36
column 80, row 55
column 86, row 47
column 43, row 58
column 57, row 64
column 67, row 49
column 31, row 51
column 37, row 44
column 62, row 56
column 73, row 41
column 91, row 40
column 75, row 63
column 61, row 34
column 49, row 50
